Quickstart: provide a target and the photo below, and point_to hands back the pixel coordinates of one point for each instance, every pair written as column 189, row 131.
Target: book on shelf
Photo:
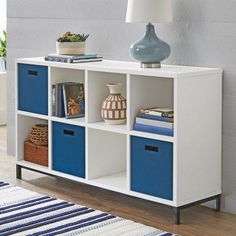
column 151, row 122
column 54, row 100
column 60, row 111
column 158, row 111
column 57, row 100
column 155, row 120
column 74, row 101
column 152, row 117
column 154, row 129
column 73, row 58
column 68, row 100
column 77, row 56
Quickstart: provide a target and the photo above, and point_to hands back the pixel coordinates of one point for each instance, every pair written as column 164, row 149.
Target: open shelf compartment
column 98, row 91
column 24, row 124
column 63, row 75
column 149, row 92
column 106, row 157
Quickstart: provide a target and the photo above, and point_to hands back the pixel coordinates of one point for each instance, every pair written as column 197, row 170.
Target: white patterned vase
column 114, row 106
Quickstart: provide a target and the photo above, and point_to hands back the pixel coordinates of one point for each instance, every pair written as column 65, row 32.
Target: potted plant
column 3, row 51
column 71, row 44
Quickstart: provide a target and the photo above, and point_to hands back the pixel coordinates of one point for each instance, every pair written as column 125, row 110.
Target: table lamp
column 149, row 50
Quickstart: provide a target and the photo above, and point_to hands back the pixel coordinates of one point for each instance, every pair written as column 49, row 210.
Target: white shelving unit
column 194, row 93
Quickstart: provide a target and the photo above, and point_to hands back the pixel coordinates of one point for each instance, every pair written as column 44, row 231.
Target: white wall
column 3, row 15
column 203, row 34
column 3, row 96
column 3, row 19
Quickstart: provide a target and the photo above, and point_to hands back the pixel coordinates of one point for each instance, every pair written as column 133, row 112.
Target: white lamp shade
column 149, row 11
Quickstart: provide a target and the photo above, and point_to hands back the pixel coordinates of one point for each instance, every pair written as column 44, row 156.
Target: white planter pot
column 70, row 48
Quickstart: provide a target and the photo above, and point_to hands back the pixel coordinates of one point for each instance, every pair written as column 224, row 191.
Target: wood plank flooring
column 196, row 221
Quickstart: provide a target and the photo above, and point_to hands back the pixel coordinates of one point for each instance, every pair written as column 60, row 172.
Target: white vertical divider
column 86, row 95
column 175, row 162
column 128, row 94
column 128, row 157
column 86, row 122
column 16, row 109
column 50, row 156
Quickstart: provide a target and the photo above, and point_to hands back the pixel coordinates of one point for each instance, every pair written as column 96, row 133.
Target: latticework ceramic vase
column 114, row 106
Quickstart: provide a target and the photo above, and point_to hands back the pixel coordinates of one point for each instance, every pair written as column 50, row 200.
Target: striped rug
column 23, row 212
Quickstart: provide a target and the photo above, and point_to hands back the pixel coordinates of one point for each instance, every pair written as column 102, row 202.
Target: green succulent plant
column 3, row 45
column 71, row 37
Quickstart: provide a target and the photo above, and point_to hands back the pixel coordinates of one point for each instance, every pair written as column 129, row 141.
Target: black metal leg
column 18, row 172
column 218, row 203
column 176, row 215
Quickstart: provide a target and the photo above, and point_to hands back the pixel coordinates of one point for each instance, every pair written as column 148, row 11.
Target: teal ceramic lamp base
column 150, row 50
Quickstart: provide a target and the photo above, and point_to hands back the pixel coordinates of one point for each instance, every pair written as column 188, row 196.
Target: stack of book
column 155, row 120
column 73, row 58
column 68, row 100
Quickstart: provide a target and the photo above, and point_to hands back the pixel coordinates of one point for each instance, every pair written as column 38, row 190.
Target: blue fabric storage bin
column 33, row 88
column 69, row 149
column 152, row 167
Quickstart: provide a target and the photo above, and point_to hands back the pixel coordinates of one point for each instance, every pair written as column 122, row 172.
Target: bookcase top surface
column 170, row 71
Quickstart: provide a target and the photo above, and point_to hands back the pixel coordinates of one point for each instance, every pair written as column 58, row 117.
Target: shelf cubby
column 110, row 149
column 98, row 91
column 24, row 125
column 63, row 75
column 149, row 91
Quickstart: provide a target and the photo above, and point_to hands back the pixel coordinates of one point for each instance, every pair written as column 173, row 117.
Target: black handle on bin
column 69, row 132
column 33, row 72
column 152, row 148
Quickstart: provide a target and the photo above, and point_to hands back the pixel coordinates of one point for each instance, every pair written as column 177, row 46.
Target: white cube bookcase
column 194, row 93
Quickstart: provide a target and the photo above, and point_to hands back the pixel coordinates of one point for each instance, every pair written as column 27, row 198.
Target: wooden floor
column 196, row 221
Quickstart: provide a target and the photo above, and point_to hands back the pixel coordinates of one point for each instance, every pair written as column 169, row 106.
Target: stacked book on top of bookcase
column 155, row 120
column 68, row 100
column 80, row 58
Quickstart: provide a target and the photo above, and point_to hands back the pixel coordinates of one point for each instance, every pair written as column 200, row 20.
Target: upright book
column 54, row 100
column 57, row 101
column 74, row 101
column 60, row 111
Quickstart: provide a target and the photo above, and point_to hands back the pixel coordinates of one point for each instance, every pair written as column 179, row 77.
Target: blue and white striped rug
column 23, row 212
